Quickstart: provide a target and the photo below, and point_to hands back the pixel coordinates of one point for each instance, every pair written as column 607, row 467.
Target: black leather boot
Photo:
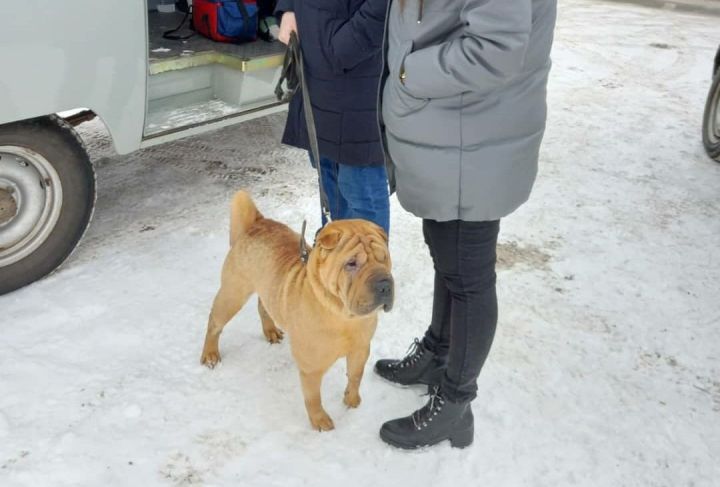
column 420, row 366
column 437, row 421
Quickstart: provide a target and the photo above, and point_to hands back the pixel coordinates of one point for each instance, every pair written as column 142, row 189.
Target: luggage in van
column 232, row 21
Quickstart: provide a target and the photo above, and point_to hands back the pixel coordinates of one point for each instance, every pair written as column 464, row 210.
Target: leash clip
column 304, row 252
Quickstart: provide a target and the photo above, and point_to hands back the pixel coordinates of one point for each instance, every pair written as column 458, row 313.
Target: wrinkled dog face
column 352, row 261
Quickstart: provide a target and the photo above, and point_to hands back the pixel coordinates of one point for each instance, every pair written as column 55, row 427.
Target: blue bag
column 233, row 21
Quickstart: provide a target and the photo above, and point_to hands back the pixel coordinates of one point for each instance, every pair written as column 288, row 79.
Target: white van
column 110, row 59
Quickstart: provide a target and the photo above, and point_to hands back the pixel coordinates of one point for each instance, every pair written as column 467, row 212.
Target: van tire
column 711, row 137
column 53, row 148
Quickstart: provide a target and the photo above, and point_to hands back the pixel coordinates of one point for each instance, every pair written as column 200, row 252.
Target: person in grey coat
column 463, row 111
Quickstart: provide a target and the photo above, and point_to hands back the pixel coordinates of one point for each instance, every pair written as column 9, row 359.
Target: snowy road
column 606, row 366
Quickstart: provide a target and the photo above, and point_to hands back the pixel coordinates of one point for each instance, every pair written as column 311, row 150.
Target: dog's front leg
column 356, row 361
column 311, row 384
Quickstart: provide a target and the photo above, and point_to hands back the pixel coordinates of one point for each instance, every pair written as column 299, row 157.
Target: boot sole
column 406, row 386
column 461, row 439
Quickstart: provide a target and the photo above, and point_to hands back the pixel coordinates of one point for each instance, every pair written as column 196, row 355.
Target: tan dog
column 329, row 306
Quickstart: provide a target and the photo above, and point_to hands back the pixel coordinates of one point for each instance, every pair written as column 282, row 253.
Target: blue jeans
column 357, row 192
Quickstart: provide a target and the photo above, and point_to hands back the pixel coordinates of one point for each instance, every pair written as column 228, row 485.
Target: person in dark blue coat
column 341, row 42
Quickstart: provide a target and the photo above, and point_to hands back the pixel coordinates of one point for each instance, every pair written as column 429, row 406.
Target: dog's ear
column 328, row 240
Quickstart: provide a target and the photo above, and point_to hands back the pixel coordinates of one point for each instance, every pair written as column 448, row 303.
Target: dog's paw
column 322, row 422
column 210, row 359
column 352, row 399
column 274, row 336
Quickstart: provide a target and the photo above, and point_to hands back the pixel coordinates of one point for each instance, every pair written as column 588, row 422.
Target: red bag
column 232, row 21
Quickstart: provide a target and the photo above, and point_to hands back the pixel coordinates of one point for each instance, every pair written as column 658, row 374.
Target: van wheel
column 47, row 196
column 711, row 122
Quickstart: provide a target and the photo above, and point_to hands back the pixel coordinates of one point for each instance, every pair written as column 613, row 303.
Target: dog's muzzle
column 384, row 293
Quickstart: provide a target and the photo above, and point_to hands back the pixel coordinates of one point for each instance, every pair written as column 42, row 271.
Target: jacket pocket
column 399, row 102
column 328, row 124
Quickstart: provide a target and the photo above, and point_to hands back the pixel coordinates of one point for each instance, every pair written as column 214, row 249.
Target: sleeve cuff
column 282, row 7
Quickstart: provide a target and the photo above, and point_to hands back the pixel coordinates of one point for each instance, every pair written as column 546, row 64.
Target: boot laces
column 413, row 354
column 424, row 416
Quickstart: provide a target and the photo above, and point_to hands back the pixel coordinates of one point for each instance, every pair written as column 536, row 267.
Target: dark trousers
column 465, row 309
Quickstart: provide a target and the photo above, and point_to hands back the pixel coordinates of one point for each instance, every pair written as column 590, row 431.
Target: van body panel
column 57, row 56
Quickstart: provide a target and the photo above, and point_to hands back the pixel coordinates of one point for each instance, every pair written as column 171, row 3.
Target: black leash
column 171, row 34
column 293, row 73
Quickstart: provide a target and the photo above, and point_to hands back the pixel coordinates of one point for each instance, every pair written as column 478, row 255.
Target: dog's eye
column 351, row 265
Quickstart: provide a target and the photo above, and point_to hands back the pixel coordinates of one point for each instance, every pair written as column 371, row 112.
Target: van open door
column 196, row 85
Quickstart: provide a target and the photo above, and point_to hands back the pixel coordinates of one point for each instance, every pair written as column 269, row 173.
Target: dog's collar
column 304, row 250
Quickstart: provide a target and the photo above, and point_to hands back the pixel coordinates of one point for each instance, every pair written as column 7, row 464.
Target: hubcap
column 30, row 202
column 8, row 206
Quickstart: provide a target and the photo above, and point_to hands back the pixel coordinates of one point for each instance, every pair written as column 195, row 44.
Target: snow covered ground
column 606, row 366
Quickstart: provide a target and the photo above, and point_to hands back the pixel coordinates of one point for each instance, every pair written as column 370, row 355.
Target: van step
column 170, row 118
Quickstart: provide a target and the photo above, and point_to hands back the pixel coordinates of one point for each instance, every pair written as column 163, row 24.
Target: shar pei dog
column 328, row 302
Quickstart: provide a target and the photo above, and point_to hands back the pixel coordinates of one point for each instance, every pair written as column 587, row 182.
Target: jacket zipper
column 383, row 141
column 420, row 11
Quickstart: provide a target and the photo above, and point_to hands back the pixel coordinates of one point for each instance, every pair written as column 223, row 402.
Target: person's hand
column 287, row 25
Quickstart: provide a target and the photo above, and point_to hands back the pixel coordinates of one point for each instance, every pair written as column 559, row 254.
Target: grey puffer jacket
column 463, row 104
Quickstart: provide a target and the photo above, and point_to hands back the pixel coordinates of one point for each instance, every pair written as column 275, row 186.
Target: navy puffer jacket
column 341, row 41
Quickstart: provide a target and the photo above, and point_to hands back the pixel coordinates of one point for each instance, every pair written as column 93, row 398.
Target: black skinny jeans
column 465, row 308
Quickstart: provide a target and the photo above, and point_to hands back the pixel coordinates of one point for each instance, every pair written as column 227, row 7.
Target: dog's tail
column 243, row 214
